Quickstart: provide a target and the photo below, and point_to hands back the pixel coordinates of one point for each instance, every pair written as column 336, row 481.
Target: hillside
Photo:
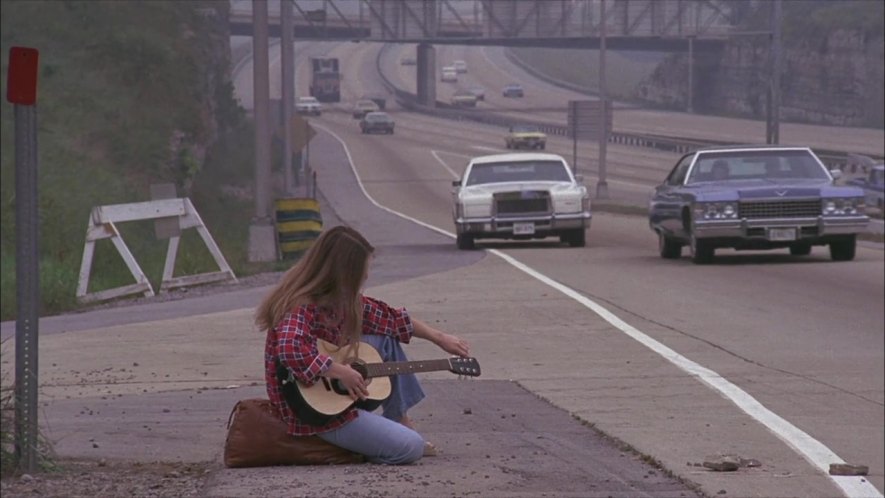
column 129, row 94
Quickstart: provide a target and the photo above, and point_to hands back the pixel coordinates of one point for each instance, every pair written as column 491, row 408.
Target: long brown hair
column 329, row 274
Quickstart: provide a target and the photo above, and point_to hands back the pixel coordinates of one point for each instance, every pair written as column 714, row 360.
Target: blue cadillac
column 755, row 197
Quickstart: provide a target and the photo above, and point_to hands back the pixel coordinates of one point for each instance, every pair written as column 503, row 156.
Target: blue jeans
column 381, row 438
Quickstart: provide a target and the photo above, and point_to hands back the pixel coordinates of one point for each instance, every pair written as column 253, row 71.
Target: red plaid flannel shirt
column 294, row 342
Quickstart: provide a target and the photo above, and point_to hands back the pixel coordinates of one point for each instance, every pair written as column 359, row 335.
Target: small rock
column 724, row 463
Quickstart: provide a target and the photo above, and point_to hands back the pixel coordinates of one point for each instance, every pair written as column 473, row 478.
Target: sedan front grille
column 523, row 202
column 780, row 209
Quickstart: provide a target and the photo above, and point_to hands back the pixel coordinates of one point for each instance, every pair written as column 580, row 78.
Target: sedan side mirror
column 579, row 178
column 456, row 183
column 837, row 173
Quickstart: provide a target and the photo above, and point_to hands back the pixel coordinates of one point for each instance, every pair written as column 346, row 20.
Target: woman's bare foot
column 430, row 450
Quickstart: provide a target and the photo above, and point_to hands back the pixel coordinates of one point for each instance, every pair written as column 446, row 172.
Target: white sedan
column 308, row 105
column 520, row 196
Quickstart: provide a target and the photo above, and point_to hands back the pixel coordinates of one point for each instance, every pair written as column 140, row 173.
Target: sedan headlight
column 843, row 206
column 716, row 211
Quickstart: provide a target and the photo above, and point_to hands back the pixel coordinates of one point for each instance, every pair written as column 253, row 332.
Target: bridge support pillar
column 426, row 75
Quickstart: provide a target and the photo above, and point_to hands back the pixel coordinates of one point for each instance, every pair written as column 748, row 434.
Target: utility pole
column 772, row 128
column 602, row 185
column 288, row 67
column 262, row 243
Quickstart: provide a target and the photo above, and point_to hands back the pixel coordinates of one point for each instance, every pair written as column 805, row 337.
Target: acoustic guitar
column 318, row 403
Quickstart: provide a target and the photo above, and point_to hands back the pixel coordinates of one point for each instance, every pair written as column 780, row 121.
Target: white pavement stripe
column 811, row 449
column 435, row 154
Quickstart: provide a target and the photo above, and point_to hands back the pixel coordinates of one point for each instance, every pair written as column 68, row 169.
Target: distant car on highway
column 309, row 106
column 513, row 90
column 525, row 137
column 460, row 67
column 377, row 122
column 449, row 75
column 479, row 91
column 873, row 186
column 520, row 196
column 755, row 197
column 464, row 98
column 378, row 99
column 364, row 106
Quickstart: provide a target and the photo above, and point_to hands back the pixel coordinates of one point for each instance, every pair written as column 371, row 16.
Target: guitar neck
column 402, row 367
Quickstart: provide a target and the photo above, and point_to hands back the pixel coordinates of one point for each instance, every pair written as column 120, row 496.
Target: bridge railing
column 401, row 20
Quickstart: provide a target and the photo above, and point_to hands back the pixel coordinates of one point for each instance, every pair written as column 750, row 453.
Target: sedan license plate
column 523, row 228
column 781, row 234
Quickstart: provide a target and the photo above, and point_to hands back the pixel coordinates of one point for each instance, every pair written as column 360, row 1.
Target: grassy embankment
column 624, row 70
column 117, row 81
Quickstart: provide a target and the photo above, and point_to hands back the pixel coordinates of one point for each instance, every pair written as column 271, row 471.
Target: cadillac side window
column 677, row 176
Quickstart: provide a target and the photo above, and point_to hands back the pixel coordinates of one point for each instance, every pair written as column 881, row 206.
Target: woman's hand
column 453, row 344
column 352, row 380
column 447, row 342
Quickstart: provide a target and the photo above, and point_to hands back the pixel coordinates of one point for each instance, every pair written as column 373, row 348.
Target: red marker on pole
column 21, row 87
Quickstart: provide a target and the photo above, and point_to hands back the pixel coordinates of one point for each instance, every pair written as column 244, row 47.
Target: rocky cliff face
column 836, row 79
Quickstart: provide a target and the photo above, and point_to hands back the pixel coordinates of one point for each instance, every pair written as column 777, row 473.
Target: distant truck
column 325, row 80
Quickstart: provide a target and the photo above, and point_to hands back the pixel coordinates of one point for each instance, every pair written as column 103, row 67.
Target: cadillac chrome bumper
column 805, row 227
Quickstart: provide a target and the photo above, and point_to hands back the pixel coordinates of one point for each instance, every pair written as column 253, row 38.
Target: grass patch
column 9, row 464
column 119, row 110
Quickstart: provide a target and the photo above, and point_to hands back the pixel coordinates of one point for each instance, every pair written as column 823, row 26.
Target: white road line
column 435, row 154
column 809, row 448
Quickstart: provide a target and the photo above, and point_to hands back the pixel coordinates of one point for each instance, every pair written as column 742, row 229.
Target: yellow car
column 363, row 107
column 464, row 98
column 526, row 137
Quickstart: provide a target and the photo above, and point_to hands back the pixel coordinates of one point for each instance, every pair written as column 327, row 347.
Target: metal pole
column 307, row 171
column 574, row 115
column 262, row 244
column 690, row 73
column 261, row 89
column 602, row 185
column 288, row 68
column 27, row 274
column 776, row 72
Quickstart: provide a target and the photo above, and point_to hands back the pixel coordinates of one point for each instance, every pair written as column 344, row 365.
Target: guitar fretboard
column 401, row 367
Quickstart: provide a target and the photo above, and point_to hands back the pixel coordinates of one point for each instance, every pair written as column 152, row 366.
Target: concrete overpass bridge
column 628, row 24
column 647, row 25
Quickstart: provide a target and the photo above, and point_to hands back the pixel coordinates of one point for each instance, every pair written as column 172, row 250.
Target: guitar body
column 317, row 404
column 327, row 398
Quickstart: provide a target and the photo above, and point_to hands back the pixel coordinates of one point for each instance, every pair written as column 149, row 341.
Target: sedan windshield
column 522, row 171
column 756, row 165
